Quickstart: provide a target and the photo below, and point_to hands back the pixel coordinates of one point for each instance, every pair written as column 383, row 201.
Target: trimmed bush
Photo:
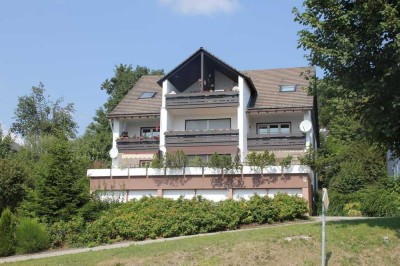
column 31, row 236
column 162, row 217
column 289, row 207
column 7, row 239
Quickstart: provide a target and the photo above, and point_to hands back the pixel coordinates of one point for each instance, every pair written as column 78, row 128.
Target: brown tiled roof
column 268, row 82
column 131, row 105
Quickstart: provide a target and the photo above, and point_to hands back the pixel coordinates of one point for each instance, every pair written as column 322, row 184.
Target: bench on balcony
column 202, row 137
column 296, row 141
column 202, row 99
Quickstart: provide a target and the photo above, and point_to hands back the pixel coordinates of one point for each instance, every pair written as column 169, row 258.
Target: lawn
column 357, row 242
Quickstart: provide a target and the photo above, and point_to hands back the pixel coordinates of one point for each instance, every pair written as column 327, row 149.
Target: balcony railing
column 202, row 99
column 202, row 137
column 276, row 142
column 125, row 144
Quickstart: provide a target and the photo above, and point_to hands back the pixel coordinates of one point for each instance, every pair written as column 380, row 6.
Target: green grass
column 357, row 242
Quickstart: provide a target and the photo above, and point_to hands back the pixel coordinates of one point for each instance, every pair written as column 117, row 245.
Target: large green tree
column 60, row 183
column 97, row 138
column 357, row 44
column 12, row 178
column 36, row 114
column 6, row 143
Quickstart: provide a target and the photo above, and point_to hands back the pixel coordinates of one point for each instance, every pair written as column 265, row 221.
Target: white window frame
column 268, row 127
column 208, row 122
column 287, row 88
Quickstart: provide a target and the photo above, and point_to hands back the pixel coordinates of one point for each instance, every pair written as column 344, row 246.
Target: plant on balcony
column 197, row 162
column 157, row 162
column 223, row 162
column 258, row 161
column 309, row 158
column 176, row 160
column 286, row 162
column 236, row 162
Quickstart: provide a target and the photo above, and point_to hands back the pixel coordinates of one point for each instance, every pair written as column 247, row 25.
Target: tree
column 98, row 137
column 12, row 178
column 7, row 230
column 5, row 145
column 260, row 160
column 37, row 115
column 60, row 184
column 356, row 43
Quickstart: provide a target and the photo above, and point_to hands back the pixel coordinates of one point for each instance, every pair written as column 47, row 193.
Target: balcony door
column 208, row 124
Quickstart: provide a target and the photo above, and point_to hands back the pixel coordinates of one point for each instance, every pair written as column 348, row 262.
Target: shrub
column 338, row 201
column 289, row 207
column 7, row 239
column 31, row 236
column 352, row 209
column 161, row 217
column 379, row 202
column 176, row 160
column 260, row 160
column 261, row 209
column 286, row 162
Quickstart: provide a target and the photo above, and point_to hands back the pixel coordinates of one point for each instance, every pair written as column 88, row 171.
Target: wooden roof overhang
column 196, row 67
column 137, row 115
column 279, row 109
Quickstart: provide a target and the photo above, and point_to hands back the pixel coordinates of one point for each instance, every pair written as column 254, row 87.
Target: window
column 275, row 128
column 204, row 157
column 149, row 132
column 144, row 163
column 287, row 88
column 147, row 95
column 208, row 124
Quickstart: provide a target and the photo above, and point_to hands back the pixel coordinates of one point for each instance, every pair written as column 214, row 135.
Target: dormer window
column 147, row 95
column 287, row 88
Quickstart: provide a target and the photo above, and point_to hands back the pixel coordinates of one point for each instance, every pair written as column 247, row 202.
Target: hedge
column 161, row 217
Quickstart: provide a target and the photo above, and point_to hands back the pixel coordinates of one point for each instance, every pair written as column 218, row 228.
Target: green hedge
column 161, row 217
column 379, row 200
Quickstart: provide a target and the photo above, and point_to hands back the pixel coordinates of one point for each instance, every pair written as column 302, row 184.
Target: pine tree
column 7, row 230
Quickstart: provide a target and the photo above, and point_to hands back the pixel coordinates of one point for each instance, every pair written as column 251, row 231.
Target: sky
column 72, row 46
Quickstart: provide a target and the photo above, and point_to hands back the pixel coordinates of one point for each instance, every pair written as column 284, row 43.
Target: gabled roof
column 207, row 53
column 131, row 105
column 268, row 82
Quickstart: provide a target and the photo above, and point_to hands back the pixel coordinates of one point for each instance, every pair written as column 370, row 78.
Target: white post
column 325, row 205
column 323, row 236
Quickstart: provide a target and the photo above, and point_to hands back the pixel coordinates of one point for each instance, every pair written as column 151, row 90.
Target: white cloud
column 18, row 139
column 201, row 7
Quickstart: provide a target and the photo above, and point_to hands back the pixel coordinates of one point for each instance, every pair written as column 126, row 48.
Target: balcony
column 202, row 137
column 128, row 144
column 276, row 142
column 202, row 99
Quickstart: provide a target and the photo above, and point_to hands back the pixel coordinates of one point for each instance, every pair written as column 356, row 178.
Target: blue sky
column 73, row 46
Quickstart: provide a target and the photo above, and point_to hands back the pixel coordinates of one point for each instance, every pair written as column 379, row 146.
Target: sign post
column 325, row 205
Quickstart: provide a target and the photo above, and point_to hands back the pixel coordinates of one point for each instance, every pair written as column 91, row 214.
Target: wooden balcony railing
column 202, row 99
column 125, row 144
column 276, row 142
column 202, row 137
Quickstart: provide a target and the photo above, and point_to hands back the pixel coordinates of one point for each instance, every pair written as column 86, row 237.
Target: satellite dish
column 114, row 153
column 305, row 126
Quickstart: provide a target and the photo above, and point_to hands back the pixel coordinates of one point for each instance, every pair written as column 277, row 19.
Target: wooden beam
column 202, row 72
